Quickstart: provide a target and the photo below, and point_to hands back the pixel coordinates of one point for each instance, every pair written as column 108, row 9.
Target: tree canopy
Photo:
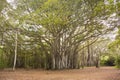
column 54, row 34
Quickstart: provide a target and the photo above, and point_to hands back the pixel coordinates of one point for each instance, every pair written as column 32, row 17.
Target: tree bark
column 15, row 55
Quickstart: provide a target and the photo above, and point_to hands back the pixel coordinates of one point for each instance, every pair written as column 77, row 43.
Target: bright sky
column 9, row 1
column 12, row 3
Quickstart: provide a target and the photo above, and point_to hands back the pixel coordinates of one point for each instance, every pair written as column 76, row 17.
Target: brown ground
column 91, row 73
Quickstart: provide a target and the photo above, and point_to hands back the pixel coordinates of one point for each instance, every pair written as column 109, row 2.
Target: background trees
column 55, row 34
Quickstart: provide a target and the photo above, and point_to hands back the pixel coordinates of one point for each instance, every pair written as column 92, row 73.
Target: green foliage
column 117, row 62
column 3, row 62
column 3, row 4
column 108, row 61
column 50, row 30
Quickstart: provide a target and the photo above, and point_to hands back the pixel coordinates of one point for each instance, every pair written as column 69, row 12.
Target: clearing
column 91, row 73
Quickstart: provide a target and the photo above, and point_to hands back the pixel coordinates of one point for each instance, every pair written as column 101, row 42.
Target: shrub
column 110, row 61
column 117, row 62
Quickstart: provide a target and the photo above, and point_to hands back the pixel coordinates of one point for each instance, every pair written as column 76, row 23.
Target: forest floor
column 91, row 73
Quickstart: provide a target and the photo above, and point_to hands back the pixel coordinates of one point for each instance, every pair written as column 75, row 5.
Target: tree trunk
column 15, row 55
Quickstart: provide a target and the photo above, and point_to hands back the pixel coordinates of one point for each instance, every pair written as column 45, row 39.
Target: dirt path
column 104, row 73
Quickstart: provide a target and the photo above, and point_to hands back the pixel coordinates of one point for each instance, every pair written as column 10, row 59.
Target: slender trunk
column 83, row 59
column 98, row 61
column 53, row 62
column 15, row 55
column 89, row 56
